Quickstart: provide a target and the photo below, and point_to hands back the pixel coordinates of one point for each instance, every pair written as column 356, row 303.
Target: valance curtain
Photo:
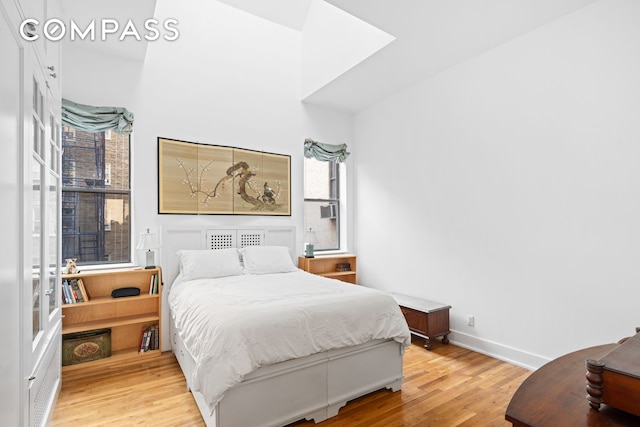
column 96, row 119
column 325, row 152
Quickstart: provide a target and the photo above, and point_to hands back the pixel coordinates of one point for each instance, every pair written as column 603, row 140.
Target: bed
column 262, row 343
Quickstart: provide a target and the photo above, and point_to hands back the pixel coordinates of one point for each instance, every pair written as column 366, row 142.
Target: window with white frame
column 96, row 197
column 322, row 202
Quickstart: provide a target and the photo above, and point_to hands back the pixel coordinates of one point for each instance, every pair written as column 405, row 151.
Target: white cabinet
column 30, row 185
column 43, row 339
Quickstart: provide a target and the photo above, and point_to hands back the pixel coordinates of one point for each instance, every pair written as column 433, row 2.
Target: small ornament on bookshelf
column 343, row 266
column 71, row 267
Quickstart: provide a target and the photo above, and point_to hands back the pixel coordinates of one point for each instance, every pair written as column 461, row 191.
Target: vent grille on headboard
column 223, row 239
column 251, row 238
column 217, row 239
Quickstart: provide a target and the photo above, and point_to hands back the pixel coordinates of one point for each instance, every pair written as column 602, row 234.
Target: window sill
column 102, row 267
column 331, row 252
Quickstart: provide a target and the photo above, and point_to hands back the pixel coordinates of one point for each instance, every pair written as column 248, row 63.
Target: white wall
column 230, row 79
column 514, row 190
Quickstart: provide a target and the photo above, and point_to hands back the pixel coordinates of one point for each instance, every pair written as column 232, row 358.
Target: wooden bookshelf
column 325, row 265
column 127, row 317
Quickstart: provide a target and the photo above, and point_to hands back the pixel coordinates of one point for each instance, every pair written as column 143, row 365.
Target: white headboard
column 177, row 238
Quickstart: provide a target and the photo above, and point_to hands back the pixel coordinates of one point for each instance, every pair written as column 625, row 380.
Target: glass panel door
column 54, row 254
column 36, row 233
column 38, row 215
column 54, row 213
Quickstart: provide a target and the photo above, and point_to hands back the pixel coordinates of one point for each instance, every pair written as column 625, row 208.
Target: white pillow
column 267, row 259
column 209, row 263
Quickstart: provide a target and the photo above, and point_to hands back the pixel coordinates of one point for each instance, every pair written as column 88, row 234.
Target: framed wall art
column 196, row 178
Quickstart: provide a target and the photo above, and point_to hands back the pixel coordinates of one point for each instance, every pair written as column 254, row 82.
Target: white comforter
column 234, row 325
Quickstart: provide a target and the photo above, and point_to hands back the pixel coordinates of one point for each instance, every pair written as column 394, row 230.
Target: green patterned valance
column 325, row 152
column 96, row 119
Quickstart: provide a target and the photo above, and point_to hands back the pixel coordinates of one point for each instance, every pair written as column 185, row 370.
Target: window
column 96, row 197
column 322, row 202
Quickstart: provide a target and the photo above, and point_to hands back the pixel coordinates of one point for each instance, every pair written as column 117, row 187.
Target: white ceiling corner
column 334, row 41
column 290, row 13
column 431, row 36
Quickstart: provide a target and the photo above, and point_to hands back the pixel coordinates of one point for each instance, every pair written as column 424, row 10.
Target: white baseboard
column 499, row 351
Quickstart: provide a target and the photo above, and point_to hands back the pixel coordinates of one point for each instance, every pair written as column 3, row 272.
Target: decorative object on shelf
column 199, row 178
column 86, row 346
column 310, row 239
column 125, row 292
column 148, row 241
column 71, row 267
column 343, row 266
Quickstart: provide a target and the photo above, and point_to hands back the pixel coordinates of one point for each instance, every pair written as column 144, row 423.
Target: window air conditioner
column 328, row 212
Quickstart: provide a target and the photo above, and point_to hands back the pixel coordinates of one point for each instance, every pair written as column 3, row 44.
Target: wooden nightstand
column 426, row 319
column 327, row 266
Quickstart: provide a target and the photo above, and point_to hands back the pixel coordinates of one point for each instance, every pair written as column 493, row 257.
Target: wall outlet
column 471, row 320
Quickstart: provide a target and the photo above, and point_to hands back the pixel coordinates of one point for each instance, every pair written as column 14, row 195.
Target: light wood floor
column 447, row 386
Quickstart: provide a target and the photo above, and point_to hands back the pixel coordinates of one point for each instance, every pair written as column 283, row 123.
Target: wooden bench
column 426, row 319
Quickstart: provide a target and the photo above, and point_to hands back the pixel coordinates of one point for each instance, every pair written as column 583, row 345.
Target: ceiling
column 290, row 13
column 430, row 36
column 84, row 11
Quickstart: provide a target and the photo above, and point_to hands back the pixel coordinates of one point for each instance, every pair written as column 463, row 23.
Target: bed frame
column 314, row 387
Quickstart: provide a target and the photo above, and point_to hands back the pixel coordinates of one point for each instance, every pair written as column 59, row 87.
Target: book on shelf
column 83, row 290
column 77, row 295
column 143, row 338
column 343, row 266
column 74, row 291
column 68, row 293
column 153, row 284
column 156, row 337
column 65, row 292
column 150, row 339
column 145, row 344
